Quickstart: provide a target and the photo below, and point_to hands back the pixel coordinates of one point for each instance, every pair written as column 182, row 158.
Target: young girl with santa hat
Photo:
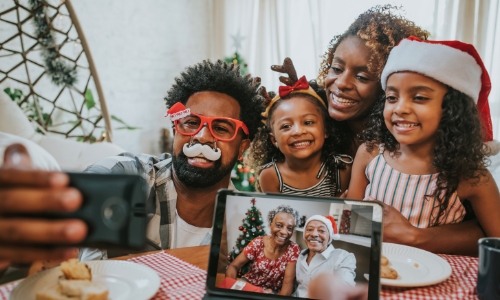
column 425, row 153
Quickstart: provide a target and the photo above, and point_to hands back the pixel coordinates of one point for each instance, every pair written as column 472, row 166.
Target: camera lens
column 114, row 213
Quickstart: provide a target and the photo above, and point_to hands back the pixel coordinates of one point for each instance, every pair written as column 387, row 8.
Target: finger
column 16, row 156
column 26, row 255
column 19, row 200
column 10, row 177
column 344, row 194
column 35, row 231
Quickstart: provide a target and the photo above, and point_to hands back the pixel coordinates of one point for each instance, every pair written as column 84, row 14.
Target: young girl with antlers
column 297, row 149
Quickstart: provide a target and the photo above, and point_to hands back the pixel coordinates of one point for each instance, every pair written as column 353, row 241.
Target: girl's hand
column 397, row 229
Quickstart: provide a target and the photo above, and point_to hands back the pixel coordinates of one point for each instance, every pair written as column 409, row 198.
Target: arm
column 288, row 280
column 236, row 265
column 485, row 200
column 359, row 182
column 458, row 238
column 268, row 181
column 346, row 269
column 27, row 191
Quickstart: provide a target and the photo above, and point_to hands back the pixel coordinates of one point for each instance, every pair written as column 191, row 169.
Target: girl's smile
column 298, row 128
column 413, row 107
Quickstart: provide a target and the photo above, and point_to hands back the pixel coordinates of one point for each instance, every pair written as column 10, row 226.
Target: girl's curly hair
column 262, row 150
column 459, row 152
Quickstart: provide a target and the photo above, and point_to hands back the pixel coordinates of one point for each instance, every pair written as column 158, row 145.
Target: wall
column 138, row 48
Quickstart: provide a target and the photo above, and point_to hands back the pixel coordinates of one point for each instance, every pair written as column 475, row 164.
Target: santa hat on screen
column 453, row 63
column 330, row 223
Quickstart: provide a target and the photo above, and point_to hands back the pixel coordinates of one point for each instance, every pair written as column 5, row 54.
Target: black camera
column 113, row 208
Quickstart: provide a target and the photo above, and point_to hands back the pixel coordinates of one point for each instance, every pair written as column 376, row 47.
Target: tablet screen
column 270, row 245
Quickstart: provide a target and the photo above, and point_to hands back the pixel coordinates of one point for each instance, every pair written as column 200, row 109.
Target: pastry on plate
column 75, row 284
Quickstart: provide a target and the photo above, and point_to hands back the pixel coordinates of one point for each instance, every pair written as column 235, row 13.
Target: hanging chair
column 46, row 67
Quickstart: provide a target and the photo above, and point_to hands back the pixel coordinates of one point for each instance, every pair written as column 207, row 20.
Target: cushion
column 40, row 158
column 13, row 120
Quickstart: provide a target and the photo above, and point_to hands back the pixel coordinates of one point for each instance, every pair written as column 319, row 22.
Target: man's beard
column 195, row 177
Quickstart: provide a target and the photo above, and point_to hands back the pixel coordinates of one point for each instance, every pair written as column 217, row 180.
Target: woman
column 274, row 255
column 350, row 73
column 351, row 67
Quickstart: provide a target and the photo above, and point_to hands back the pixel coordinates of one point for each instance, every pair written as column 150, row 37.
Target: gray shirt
column 334, row 261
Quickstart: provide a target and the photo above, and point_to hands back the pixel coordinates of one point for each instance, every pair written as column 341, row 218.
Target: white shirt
column 187, row 235
column 331, row 260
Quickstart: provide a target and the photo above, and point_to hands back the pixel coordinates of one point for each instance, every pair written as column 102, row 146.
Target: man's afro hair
column 223, row 78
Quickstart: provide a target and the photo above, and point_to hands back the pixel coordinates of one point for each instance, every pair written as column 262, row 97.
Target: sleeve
column 294, row 252
column 346, row 269
column 125, row 163
column 252, row 248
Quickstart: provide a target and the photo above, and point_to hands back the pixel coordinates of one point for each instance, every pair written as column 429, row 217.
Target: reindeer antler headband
column 292, row 85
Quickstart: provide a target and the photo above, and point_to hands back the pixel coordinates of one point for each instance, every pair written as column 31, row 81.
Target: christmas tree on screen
column 251, row 228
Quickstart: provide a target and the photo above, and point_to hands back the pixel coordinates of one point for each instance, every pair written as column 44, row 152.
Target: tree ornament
column 244, row 230
column 236, row 251
column 253, row 201
column 243, row 242
column 240, row 228
column 253, row 229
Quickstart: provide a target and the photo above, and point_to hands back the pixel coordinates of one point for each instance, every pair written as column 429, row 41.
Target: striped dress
column 407, row 193
column 324, row 188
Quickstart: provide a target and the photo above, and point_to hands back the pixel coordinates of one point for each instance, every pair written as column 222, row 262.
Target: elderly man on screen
column 320, row 256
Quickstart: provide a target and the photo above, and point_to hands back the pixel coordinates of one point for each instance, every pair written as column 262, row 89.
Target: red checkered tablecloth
column 461, row 284
column 181, row 280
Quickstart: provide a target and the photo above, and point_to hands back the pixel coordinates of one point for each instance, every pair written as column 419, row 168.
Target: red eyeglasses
column 187, row 123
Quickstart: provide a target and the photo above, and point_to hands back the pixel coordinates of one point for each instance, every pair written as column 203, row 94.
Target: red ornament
column 260, row 213
column 240, row 228
column 253, row 219
column 246, row 169
column 251, row 180
column 244, row 230
column 258, row 227
column 253, row 199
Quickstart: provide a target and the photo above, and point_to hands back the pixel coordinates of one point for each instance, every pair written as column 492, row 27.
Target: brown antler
column 267, row 98
column 287, row 68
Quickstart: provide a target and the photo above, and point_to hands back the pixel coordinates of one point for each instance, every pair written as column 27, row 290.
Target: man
column 321, row 257
column 183, row 186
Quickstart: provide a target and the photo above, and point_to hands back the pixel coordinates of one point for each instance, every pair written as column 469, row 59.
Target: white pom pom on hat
column 330, row 223
column 453, row 63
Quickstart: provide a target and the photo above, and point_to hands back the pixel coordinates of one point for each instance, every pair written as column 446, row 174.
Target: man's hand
column 24, row 191
column 330, row 287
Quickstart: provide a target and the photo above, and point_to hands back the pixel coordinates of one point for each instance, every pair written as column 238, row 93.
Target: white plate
column 415, row 267
column 125, row 280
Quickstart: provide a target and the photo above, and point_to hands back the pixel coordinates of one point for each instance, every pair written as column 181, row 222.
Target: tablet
column 256, row 236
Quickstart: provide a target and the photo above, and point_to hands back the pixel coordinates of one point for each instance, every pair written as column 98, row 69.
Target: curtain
column 475, row 22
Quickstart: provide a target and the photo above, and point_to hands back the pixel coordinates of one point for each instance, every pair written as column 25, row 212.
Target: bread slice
column 73, row 287
column 53, row 293
column 95, row 291
column 72, row 269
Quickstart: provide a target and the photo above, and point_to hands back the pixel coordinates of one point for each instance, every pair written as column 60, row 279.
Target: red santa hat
column 330, row 223
column 453, row 63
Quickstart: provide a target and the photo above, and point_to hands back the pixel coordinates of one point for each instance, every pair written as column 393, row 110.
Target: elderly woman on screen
column 320, row 255
column 274, row 255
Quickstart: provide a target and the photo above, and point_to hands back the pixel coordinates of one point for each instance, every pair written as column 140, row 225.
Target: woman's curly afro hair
column 459, row 152
column 223, row 78
column 382, row 29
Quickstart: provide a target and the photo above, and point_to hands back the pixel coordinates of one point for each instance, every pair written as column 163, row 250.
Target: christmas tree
column 243, row 178
column 251, row 228
column 237, row 60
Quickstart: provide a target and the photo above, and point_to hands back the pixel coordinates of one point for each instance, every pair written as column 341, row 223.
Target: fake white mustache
column 198, row 149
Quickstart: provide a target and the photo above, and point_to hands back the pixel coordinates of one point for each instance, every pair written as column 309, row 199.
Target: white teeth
column 199, row 159
column 300, row 144
column 406, row 125
column 342, row 100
